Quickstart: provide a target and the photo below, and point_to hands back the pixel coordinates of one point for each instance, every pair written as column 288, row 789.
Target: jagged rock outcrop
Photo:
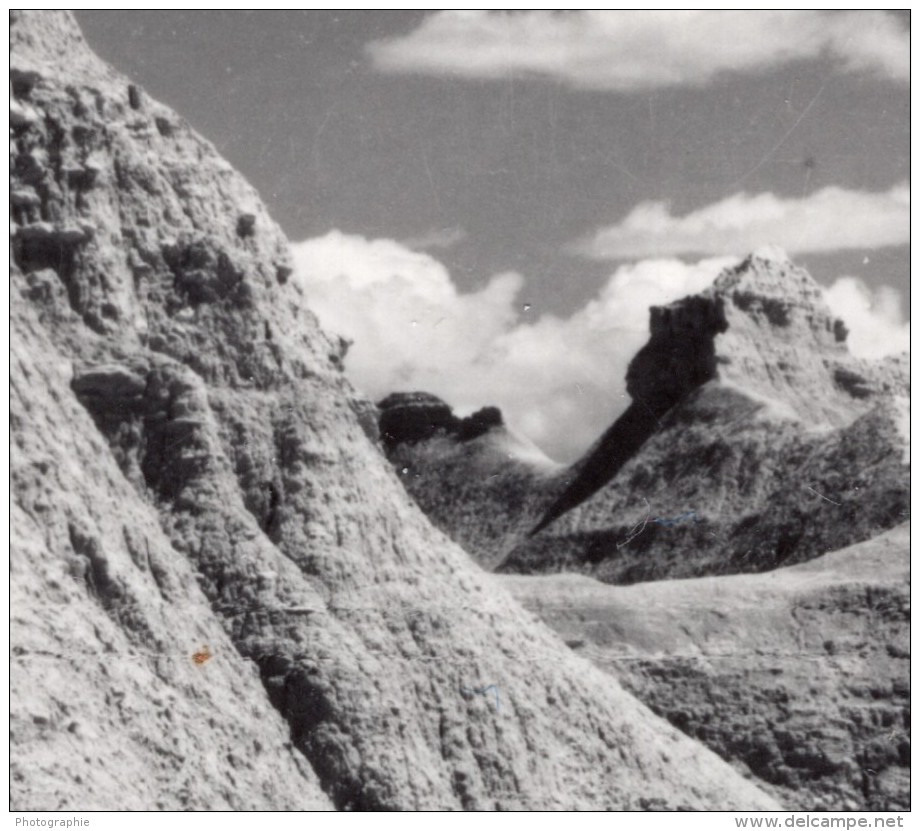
column 801, row 676
column 763, row 328
column 478, row 481
column 754, row 440
column 209, row 553
column 412, row 417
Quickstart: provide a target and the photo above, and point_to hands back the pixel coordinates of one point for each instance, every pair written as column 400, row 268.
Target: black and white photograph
column 440, row 410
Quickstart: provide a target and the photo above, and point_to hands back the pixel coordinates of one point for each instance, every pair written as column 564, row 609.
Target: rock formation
column 221, row 595
column 409, row 418
column 754, row 439
column 762, row 328
column 800, row 676
column 478, row 481
column 108, row 707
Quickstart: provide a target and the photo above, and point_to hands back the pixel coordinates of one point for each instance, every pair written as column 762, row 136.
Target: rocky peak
column 411, row 417
column 763, row 326
column 762, row 329
column 768, row 291
column 769, row 272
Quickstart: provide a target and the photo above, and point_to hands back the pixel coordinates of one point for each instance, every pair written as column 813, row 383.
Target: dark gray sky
column 522, row 165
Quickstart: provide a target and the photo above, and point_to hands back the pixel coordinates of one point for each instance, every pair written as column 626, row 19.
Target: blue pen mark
column 688, row 515
column 467, row 692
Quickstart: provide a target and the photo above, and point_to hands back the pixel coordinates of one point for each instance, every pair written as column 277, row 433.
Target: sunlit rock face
column 221, row 595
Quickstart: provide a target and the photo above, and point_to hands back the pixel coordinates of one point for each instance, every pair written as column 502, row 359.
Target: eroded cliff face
column 759, row 345
column 754, row 440
column 762, row 326
column 723, row 486
column 108, row 707
column 191, row 470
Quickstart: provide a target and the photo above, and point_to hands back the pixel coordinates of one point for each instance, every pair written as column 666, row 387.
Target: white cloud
column 571, row 372
column 831, row 219
column 410, row 325
column 643, row 49
column 558, row 380
column 875, row 318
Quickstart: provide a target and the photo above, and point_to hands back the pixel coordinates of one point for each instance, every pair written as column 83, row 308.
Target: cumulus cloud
column 572, row 370
column 831, row 219
column 559, row 380
column 410, row 325
column 875, row 317
column 636, row 50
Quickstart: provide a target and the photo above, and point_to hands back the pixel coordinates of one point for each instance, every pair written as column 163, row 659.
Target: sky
column 487, row 202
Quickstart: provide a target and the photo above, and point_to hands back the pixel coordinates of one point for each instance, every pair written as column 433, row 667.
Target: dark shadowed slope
column 474, row 478
column 679, row 357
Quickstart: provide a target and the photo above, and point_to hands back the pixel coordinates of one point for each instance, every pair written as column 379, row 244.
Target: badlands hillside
column 476, row 479
column 754, row 442
column 754, row 439
column 221, row 595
